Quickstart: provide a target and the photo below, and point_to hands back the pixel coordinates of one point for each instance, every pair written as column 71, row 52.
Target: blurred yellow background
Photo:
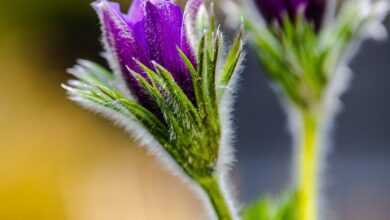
column 58, row 161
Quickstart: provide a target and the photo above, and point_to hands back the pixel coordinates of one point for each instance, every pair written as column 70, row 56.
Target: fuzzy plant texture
column 305, row 47
column 170, row 85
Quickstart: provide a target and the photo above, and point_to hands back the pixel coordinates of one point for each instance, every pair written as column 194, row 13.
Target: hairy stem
column 308, row 167
column 217, row 198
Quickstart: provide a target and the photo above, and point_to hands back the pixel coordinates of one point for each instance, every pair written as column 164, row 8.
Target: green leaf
column 178, row 94
column 259, row 210
column 231, row 64
column 208, row 64
column 112, row 99
column 287, row 209
column 198, row 84
column 93, row 73
column 186, row 130
column 269, row 209
column 195, row 77
column 210, row 77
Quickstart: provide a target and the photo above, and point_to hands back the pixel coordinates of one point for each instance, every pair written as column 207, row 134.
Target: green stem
column 307, row 167
column 217, row 198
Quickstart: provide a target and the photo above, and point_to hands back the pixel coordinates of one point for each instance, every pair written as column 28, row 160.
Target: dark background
column 61, row 162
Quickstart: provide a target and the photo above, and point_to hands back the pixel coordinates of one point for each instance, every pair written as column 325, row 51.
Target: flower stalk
column 217, row 198
column 307, row 167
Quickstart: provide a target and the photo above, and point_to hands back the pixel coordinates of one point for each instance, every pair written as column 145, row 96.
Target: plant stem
column 308, row 167
column 217, row 198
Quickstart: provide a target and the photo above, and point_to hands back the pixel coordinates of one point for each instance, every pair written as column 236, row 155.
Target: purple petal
column 123, row 44
column 188, row 28
column 136, row 11
column 274, row 10
column 151, row 31
column 163, row 26
column 316, row 11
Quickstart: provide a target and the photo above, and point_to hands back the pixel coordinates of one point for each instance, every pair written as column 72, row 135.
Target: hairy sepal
column 115, row 111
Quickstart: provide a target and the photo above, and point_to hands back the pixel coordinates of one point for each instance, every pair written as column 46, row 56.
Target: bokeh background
column 60, row 162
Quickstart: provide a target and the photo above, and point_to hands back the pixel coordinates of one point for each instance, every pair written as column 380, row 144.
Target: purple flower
column 152, row 30
column 274, row 10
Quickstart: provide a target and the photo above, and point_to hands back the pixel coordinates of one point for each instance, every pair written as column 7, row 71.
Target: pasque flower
column 303, row 55
column 170, row 87
column 307, row 59
column 276, row 10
